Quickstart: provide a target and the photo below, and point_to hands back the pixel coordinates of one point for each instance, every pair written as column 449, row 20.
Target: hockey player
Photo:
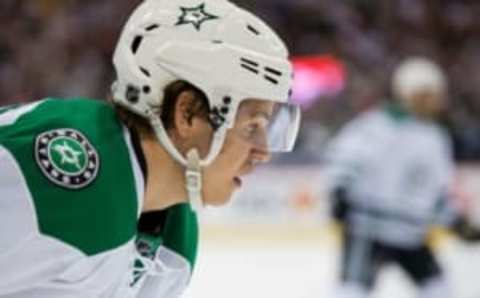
column 390, row 172
column 98, row 199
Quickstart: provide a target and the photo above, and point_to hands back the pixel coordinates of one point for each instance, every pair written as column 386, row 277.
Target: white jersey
column 397, row 170
column 71, row 193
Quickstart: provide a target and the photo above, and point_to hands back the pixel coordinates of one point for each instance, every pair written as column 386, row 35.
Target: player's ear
column 184, row 113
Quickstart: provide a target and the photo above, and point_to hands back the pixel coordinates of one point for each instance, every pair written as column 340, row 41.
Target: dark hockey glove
column 340, row 206
column 466, row 231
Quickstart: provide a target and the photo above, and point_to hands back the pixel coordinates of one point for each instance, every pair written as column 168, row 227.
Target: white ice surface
column 310, row 270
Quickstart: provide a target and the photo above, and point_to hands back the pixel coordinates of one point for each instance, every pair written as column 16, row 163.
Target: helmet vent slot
column 250, row 68
column 250, row 62
column 270, row 79
column 152, row 27
column 253, row 29
column 145, row 72
column 271, row 74
column 249, row 65
column 273, row 71
column 136, row 43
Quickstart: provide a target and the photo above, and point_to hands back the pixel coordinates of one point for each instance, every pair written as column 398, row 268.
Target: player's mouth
column 246, row 170
column 237, row 181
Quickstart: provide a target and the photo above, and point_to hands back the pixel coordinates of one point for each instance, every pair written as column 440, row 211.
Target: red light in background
column 317, row 77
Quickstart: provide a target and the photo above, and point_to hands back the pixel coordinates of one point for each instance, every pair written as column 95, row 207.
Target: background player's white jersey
column 397, row 171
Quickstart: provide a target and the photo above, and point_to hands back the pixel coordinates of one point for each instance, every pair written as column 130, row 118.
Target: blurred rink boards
column 275, row 240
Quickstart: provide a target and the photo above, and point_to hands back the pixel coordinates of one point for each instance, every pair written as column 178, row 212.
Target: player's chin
column 221, row 195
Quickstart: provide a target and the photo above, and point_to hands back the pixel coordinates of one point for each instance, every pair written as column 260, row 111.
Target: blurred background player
column 391, row 173
column 100, row 199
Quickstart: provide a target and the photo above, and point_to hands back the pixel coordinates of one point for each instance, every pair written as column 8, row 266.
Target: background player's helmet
column 416, row 75
column 421, row 86
column 219, row 48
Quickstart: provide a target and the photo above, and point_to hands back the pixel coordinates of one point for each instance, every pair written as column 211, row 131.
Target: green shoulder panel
column 180, row 232
column 76, row 162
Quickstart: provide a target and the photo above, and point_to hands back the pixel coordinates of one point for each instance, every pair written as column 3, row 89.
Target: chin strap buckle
column 193, row 180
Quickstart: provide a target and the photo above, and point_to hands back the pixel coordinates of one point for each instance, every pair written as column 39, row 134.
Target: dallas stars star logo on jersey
column 195, row 16
column 67, row 158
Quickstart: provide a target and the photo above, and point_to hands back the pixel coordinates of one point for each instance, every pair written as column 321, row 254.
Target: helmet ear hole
column 224, row 110
column 132, row 94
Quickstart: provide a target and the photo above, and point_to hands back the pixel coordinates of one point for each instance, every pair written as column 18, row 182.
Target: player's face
column 426, row 105
column 245, row 147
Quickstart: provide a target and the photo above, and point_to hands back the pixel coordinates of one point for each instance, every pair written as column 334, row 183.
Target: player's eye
column 251, row 129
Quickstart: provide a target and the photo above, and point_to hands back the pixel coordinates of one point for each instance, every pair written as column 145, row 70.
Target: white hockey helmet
column 418, row 75
column 221, row 49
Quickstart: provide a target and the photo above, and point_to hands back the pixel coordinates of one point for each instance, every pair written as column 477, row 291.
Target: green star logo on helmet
column 195, row 16
column 67, row 158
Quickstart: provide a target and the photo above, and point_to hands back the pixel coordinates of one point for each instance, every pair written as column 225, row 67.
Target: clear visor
column 267, row 125
column 283, row 128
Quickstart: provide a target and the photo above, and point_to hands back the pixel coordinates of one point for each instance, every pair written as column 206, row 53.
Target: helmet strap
column 193, row 180
column 192, row 163
column 163, row 138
